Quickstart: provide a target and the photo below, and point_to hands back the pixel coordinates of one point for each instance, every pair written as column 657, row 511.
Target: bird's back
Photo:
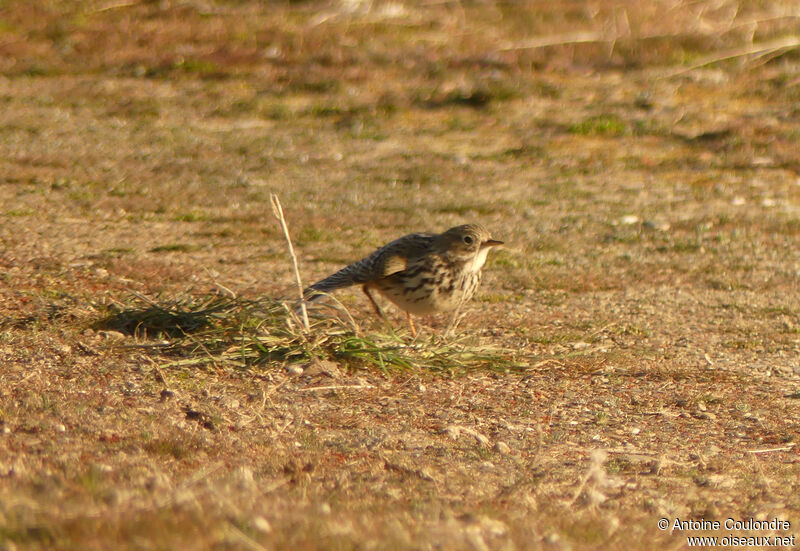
column 391, row 258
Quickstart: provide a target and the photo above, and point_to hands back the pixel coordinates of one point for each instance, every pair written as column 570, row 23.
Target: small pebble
column 262, row 525
column 294, row 369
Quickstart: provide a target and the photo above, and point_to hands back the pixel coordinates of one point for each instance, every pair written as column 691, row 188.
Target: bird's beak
column 491, row 243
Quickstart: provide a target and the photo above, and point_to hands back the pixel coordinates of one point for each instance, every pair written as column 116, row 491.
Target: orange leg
column 411, row 326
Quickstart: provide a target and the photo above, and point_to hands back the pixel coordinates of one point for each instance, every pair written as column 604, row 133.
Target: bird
column 421, row 273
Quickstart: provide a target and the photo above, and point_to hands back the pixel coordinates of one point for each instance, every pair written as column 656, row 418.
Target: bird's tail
column 345, row 277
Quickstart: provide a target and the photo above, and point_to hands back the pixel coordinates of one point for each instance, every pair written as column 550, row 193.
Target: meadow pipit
column 421, row 273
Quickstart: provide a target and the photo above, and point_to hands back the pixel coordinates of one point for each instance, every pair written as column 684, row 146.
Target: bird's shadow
column 146, row 318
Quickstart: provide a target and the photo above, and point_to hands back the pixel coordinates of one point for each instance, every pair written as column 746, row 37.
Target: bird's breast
column 430, row 287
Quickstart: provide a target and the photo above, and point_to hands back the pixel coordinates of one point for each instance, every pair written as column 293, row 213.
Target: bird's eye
column 468, row 239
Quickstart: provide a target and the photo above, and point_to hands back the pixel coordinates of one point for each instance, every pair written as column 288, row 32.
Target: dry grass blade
column 756, row 50
column 581, row 37
column 278, row 211
column 772, row 450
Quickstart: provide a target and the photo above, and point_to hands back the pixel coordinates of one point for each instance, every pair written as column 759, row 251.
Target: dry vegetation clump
column 239, row 333
column 634, row 353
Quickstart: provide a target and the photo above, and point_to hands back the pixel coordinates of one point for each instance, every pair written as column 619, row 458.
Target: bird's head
column 470, row 242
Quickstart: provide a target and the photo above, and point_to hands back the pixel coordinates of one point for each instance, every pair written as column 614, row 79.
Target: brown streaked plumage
column 420, row 273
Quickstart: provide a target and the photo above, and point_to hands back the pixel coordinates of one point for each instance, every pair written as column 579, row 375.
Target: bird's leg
column 454, row 319
column 365, row 288
column 411, row 326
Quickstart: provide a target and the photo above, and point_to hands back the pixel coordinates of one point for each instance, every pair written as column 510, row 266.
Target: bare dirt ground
column 633, row 355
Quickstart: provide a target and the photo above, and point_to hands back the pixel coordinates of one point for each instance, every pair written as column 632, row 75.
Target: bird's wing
column 396, row 256
column 389, row 259
column 392, row 264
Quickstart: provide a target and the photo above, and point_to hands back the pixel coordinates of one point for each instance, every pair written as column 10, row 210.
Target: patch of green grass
column 309, row 440
column 588, row 532
column 480, row 453
column 5, row 26
column 683, row 245
column 178, row 448
column 600, row 125
column 617, row 465
column 115, row 252
column 176, row 247
column 504, row 260
column 37, row 69
column 629, row 329
column 775, row 311
column 275, row 112
column 92, row 479
column 19, row 212
column 201, row 67
column 743, row 344
column 323, row 111
column 624, row 235
column 193, row 216
column 358, row 351
column 498, row 298
column 315, row 85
